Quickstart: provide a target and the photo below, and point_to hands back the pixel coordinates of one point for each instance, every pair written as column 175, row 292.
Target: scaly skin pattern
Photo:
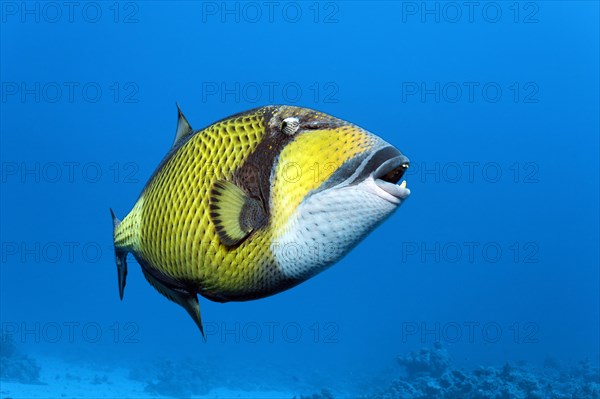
column 170, row 230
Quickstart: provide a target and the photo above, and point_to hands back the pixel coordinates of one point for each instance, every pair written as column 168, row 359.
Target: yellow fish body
column 257, row 203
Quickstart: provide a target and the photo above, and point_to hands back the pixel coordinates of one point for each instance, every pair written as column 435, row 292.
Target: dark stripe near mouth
column 378, row 161
column 386, row 163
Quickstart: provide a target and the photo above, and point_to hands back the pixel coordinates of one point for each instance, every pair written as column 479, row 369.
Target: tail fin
column 120, row 257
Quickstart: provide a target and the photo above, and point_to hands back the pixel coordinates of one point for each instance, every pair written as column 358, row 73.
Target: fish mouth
column 386, row 177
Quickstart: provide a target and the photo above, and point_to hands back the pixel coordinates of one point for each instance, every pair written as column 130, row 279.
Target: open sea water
column 485, row 284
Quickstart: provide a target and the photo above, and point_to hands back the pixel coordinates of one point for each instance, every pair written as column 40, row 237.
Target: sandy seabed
column 60, row 379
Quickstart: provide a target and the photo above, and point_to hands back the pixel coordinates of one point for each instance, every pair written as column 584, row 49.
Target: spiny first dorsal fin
column 115, row 219
column 183, row 126
column 234, row 214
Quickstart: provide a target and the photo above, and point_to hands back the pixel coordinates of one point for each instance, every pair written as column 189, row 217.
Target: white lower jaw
column 328, row 224
column 394, row 193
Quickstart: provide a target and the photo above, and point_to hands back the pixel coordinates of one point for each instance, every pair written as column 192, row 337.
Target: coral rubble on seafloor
column 324, row 394
column 179, row 380
column 15, row 366
column 428, row 374
column 433, row 362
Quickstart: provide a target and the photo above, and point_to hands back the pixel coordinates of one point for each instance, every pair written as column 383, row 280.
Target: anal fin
column 188, row 300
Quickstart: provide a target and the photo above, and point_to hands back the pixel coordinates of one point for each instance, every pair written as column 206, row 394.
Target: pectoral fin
column 234, row 214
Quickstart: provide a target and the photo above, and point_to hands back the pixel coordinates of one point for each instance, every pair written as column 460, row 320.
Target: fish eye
column 290, row 125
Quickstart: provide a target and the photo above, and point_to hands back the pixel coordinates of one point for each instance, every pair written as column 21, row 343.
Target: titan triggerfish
column 257, row 203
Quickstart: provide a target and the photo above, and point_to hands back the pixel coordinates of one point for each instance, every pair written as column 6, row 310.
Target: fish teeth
column 403, row 184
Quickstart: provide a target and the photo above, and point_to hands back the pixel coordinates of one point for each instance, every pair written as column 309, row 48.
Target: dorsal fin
column 183, row 126
column 234, row 214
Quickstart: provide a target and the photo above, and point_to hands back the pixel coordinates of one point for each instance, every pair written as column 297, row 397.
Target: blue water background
column 363, row 64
